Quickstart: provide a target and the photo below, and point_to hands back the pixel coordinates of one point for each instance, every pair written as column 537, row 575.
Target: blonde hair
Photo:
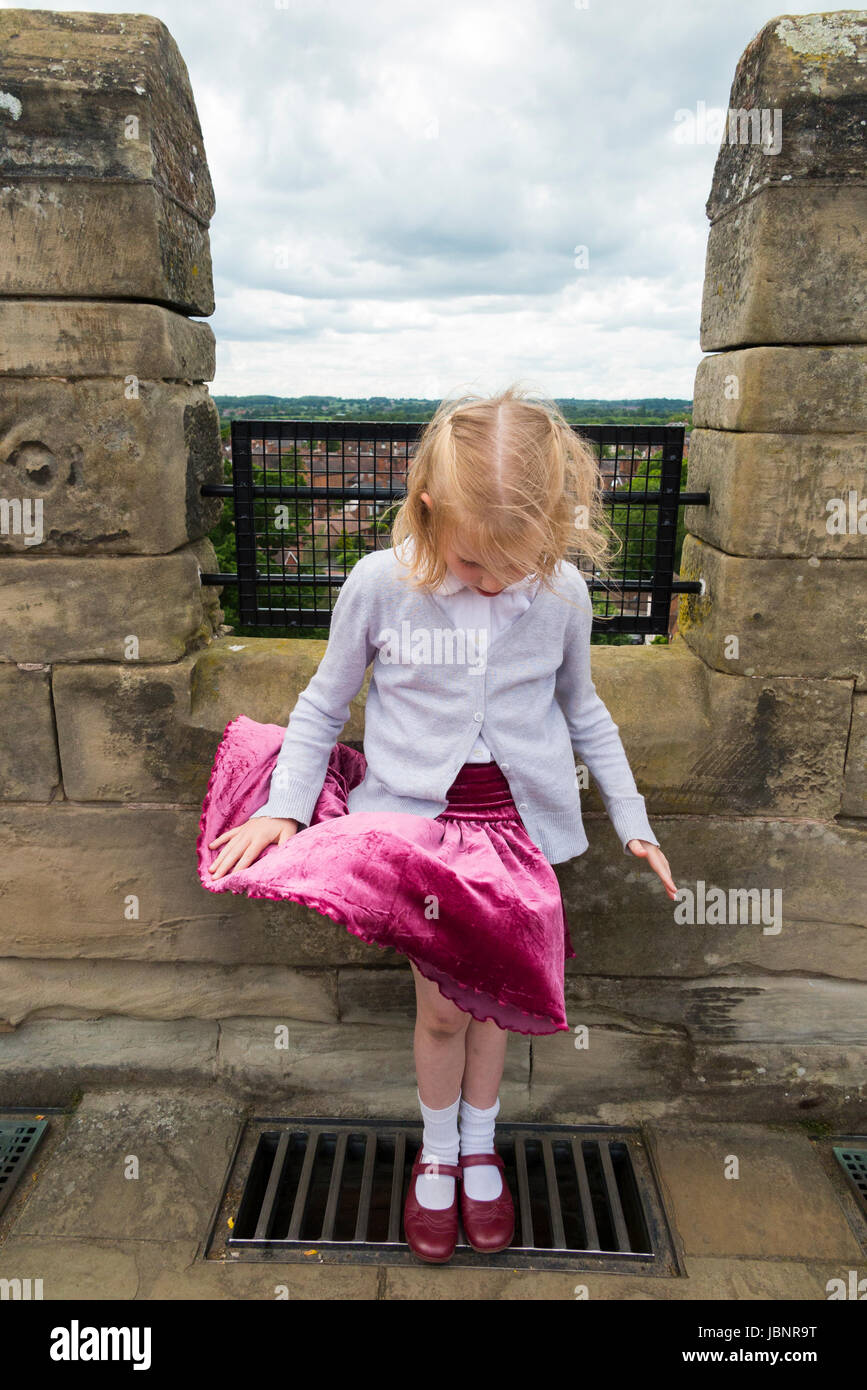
column 514, row 478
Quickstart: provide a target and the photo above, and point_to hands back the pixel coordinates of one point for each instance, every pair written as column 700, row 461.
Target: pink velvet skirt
column 467, row 896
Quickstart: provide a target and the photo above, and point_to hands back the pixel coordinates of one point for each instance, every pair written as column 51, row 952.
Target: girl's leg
column 486, row 1056
column 439, row 1043
column 440, row 1029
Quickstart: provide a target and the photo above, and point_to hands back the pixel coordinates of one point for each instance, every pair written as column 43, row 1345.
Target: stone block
column 103, row 474
column 774, row 495
column 120, row 882
column 791, row 617
column 111, row 240
column 183, row 1143
column 117, row 195
column 262, row 678
column 723, row 1007
column 150, row 733
column 748, row 745
column 855, row 777
column 85, row 608
column 783, row 390
column 754, row 1081
column 29, row 770
column 330, row 1061
column 814, row 293
column 162, row 990
column 748, row 1211
column 125, row 733
column 72, row 338
column 623, row 924
column 811, row 68
column 53, row 1058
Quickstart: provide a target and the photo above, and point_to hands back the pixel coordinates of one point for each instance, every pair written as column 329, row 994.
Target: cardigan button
column 522, row 806
column 478, row 716
column 505, row 767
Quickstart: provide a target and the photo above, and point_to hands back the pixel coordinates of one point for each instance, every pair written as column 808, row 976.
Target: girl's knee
column 442, row 1022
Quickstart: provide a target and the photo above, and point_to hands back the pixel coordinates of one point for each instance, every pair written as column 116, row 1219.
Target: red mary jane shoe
column 489, row 1226
column 432, row 1235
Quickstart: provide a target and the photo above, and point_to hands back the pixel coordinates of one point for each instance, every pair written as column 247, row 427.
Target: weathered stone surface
column 778, row 494
column 29, row 770
column 324, row 1059
column 151, row 733
column 745, row 745
column 791, row 617
column 75, row 80
column 855, row 778
column 84, row 338
column 749, row 1212
column 183, row 1143
column 810, row 67
column 338, row 1064
column 111, row 240
column 51, row 1058
column 100, row 107
column 104, row 474
column 751, row 294
column 139, row 896
column 725, row 1007
column 261, row 677
column 93, row 883
column 723, row 1280
column 162, row 990
column 385, row 996
column 86, row 608
column 740, row 1081
column 783, row 390
column 125, row 733
column 622, row 923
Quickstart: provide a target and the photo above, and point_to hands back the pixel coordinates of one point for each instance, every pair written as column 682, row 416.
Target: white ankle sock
column 441, row 1141
column 482, row 1181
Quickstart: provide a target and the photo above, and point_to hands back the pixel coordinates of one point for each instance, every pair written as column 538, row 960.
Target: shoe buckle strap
column 494, row 1159
column 432, row 1167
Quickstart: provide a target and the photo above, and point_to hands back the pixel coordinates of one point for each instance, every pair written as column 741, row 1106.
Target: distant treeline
column 650, row 410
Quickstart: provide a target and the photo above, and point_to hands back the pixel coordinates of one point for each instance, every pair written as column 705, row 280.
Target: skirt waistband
column 480, row 788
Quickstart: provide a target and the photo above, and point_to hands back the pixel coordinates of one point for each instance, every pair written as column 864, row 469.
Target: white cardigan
column 434, row 686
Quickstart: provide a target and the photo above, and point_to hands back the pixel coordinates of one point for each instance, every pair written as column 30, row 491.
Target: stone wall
column 748, row 734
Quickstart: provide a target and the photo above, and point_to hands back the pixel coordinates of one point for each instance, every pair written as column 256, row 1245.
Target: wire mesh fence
column 309, row 498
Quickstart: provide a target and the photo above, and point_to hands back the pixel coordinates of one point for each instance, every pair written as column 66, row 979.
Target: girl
column 438, row 839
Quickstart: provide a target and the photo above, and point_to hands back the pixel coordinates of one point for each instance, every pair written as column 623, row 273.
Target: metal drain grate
column 19, row 1140
column 334, row 1189
column 854, row 1164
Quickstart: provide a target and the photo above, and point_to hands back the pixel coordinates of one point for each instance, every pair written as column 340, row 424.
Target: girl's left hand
column 657, row 861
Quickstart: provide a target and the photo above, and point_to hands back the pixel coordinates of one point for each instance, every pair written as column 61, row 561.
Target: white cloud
column 426, row 172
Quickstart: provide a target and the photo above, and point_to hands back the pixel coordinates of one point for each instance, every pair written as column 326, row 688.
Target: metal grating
column 854, row 1164
column 309, row 498
column 19, row 1140
column 334, row 1190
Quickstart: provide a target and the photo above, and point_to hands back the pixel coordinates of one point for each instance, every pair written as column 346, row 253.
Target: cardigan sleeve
column 594, row 735
column 322, row 708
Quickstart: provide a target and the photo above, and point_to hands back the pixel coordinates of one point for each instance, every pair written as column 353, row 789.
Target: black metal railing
column 309, row 498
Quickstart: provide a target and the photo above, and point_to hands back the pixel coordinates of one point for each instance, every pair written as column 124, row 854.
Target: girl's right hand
column 243, row 844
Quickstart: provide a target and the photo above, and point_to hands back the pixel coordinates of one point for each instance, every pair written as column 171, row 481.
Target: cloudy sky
column 401, row 188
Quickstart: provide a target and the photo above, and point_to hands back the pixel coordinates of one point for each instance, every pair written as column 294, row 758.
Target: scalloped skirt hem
column 467, row 896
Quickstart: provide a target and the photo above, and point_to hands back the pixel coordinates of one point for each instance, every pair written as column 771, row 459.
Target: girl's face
column 462, row 562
